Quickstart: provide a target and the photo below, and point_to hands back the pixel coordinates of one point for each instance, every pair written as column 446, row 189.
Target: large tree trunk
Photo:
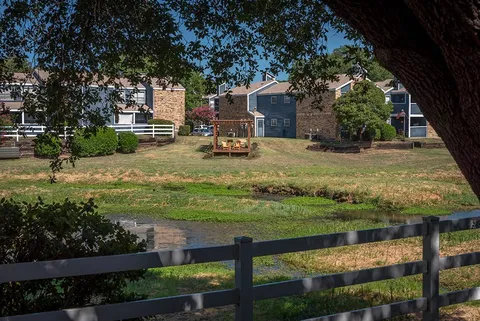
column 433, row 47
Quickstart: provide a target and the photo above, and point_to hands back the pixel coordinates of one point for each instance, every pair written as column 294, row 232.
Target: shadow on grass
column 211, row 277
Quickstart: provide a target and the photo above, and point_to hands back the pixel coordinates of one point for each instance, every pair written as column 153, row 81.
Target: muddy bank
column 340, row 197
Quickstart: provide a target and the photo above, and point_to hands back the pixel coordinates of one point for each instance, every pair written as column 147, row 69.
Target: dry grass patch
column 371, row 255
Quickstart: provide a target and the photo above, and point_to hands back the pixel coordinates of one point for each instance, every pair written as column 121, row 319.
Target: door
column 260, row 127
column 125, row 119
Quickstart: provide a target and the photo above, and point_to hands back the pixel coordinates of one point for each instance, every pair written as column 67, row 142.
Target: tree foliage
column 363, row 107
column 41, row 232
column 15, row 64
column 346, row 60
column 195, row 89
column 201, row 115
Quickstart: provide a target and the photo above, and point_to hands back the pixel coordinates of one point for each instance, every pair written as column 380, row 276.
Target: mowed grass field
column 174, row 182
column 394, row 178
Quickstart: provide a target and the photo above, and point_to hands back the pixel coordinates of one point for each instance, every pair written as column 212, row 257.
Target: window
column 286, row 122
column 398, row 99
column 138, row 97
column 141, row 118
column 273, row 101
column 286, row 99
column 418, row 121
column 6, row 95
column 273, row 122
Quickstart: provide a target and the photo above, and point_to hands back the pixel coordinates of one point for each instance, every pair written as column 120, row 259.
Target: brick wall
column 170, row 105
column 312, row 118
column 234, row 110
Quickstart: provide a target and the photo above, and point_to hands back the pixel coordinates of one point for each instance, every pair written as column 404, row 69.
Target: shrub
column 47, row 145
column 372, row 134
column 58, row 231
column 388, row 132
column 103, row 142
column 127, row 142
column 184, row 130
column 160, row 122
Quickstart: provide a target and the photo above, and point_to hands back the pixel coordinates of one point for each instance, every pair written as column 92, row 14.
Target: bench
column 9, row 152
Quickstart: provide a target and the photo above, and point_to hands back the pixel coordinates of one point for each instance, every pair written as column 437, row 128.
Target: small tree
column 362, row 108
column 195, row 88
column 201, row 115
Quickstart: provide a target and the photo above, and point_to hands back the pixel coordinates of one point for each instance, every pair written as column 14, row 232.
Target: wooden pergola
column 231, row 145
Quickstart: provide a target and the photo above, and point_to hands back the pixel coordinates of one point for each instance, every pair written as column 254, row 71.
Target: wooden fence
column 244, row 294
column 138, row 129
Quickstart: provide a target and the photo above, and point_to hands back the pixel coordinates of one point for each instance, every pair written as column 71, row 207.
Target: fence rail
column 245, row 293
column 138, row 129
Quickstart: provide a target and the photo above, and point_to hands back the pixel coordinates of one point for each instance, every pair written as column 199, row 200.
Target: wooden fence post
column 431, row 278
column 153, row 130
column 244, row 279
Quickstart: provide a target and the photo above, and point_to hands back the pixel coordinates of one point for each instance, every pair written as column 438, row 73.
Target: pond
column 171, row 234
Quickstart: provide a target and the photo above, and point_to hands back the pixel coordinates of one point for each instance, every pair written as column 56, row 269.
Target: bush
column 184, row 130
column 47, row 145
column 58, row 231
column 103, row 142
column 388, row 132
column 127, row 142
column 372, row 134
column 160, row 122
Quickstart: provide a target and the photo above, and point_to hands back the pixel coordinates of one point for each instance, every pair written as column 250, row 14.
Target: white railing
column 138, row 129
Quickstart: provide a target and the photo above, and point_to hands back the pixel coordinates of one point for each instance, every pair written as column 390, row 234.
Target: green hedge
column 47, row 145
column 160, row 122
column 103, row 142
column 184, row 130
column 388, row 132
column 127, row 142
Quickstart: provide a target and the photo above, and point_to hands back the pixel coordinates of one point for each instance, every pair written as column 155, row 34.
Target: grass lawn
column 175, row 183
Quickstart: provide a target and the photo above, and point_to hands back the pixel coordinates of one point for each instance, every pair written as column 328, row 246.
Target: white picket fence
column 138, row 129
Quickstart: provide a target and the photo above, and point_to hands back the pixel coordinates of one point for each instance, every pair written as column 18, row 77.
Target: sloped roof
column 279, row 88
column 243, row 90
column 24, row 78
column 343, row 79
column 162, row 83
column 282, row 87
column 385, row 85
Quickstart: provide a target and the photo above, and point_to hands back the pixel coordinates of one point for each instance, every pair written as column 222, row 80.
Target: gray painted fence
column 245, row 293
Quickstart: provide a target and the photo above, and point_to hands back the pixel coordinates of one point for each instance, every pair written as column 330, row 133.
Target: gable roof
column 243, row 90
column 282, row 87
column 385, row 85
column 343, row 79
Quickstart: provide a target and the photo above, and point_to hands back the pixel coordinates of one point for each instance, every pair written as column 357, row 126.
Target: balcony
column 418, row 131
column 415, row 109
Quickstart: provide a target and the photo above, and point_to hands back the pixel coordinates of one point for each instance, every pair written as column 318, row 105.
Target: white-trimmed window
column 273, row 122
column 286, row 122
column 273, row 100
column 286, row 99
column 138, row 97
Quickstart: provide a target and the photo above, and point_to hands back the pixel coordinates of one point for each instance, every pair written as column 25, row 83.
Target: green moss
column 210, row 216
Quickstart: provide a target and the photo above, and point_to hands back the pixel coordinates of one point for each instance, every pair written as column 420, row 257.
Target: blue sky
column 335, row 40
